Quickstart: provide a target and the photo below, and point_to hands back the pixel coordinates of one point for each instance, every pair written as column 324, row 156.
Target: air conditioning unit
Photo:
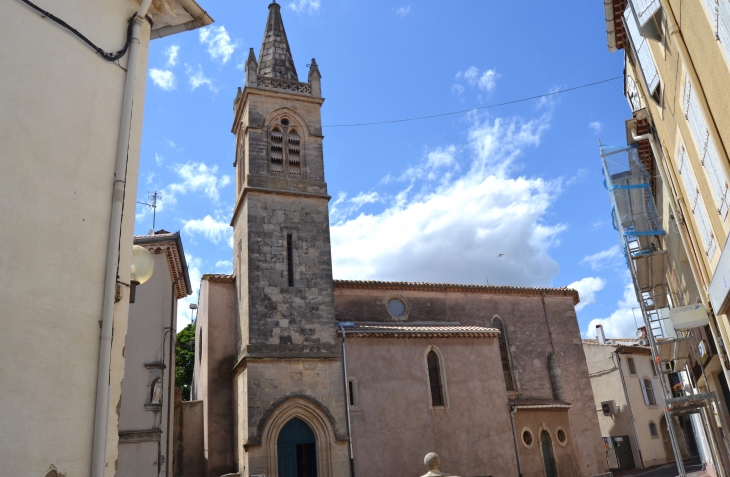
column 644, row 342
column 609, row 408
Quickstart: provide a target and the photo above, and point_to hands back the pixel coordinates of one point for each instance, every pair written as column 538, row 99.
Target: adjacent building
column 70, row 131
column 146, row 413
column 298, row 374
column 669, row 190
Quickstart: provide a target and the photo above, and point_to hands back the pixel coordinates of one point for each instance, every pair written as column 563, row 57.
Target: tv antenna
column 153, row 197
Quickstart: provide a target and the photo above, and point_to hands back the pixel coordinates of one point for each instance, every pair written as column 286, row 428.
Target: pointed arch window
column 285, row 149
column 509, row 381
column 434, row 378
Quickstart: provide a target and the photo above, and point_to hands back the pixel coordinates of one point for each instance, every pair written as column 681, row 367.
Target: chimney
column 599, row 334
column 643, row 333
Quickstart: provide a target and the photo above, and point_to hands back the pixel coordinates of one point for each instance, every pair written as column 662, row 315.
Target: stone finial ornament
column 315, row 79
column 433, row 461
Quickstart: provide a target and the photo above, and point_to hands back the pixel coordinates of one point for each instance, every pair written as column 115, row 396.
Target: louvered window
column 277, row 151
column 434, row 379
column 295, row 159
column 695, row 202
column 719, row 12
column 709, row 156
column 641, row 47
column 504, row 355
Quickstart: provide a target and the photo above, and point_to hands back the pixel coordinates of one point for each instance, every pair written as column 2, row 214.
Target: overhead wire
column 515, row 101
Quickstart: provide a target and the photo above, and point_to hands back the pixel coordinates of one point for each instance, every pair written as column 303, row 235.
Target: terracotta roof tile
column 404, row 330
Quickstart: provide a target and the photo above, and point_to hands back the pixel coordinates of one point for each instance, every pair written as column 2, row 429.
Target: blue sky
column 429, row 200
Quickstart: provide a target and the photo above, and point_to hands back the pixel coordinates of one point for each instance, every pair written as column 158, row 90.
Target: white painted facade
column 59, row 131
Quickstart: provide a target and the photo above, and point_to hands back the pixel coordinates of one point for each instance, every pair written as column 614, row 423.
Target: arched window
column 277, row 151
column 434, row 378
column 653, row 430
column 504, row 355
column 297, row 450
column 295, row 159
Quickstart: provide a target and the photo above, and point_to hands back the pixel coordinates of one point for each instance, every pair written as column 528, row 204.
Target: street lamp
column 193, row 307
column 142, row 267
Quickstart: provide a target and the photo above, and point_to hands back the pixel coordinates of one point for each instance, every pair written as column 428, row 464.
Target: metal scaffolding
column 643, row 240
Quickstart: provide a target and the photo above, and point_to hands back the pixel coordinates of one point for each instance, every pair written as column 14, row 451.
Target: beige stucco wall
column 607, row 386
column 59, row 129
column 392, row 399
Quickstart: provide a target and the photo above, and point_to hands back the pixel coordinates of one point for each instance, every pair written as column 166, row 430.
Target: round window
column 527, row 437
column 561, row 436
column 285, row 122
column 396, row 307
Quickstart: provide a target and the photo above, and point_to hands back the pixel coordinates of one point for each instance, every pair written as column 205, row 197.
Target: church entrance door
column 547, row 454
column 297, row 451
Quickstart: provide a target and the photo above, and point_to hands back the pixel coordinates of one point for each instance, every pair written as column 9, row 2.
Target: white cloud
column 343, row 207
column 487, row 82
column 171, row 53
column 198, row 78
column 224, row 265
column 197, row 177
column 596, row 126
column 158, row 159
column 602, row 259
column 453, row 230
column 309, row 6
column 587, row 289
column 218, row 42
column 440, row 162
column 403, row 11
column 622, row 323
column 165, row 79
column 471, row 75
column 457, row 88
column 212, row 229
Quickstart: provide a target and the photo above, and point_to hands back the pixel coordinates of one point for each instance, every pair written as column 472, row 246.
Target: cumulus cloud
column 622, row 323
column 171, row 53
column 603, row 259
column 198, row 78
column 224, row 265
column 159, row 159
column 403, row 11
column 196, row 177
column 452, row 230
column 596, row 126
column 165, row 79
column 587, row 289
column 220, row 46
column 440, row 163
column 215, row 230
column 309, row 6
column 486, row 80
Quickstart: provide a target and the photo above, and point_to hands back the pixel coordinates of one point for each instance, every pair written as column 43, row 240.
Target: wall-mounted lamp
column 142, row 267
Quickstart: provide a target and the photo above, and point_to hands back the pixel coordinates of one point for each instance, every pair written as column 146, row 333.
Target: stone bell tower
column 289, row 362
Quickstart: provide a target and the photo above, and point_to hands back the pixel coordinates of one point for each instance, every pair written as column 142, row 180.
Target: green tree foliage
column 185, row 359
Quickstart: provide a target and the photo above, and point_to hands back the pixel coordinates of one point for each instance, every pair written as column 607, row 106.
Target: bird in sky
column 500, row 255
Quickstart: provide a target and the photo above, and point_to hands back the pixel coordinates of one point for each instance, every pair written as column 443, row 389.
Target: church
column 301, row 375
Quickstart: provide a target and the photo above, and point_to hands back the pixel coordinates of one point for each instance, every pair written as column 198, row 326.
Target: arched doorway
column 297, row 450
column 546, row 443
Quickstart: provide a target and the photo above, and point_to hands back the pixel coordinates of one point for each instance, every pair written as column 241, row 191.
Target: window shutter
column 722, row 25
column 697, row 205
column 646, row 61
column 655, row 387
column 643, row 392
column 645, row 9
column 709, row 155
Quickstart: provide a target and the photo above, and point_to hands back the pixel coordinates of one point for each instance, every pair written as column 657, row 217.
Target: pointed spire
column 275, row 58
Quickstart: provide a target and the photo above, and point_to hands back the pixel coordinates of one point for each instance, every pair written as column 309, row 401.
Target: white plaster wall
column 59, row 127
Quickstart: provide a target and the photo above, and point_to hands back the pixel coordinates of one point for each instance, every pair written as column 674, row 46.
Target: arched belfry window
column 285, row 149
column 509, row 381
column 434, row 379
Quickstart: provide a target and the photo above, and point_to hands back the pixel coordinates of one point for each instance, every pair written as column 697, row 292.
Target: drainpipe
column 631, row 412
column 347, row 401
column 513, row 410
column 101, row 412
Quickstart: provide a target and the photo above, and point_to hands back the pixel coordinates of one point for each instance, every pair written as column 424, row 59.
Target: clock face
column 632, row 94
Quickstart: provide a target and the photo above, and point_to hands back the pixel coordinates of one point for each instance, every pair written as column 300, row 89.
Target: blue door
column 297, row 450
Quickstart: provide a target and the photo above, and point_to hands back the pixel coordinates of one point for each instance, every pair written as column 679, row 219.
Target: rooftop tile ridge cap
column 450, row 285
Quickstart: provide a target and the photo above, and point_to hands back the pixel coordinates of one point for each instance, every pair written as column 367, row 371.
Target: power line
column 522, row 100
